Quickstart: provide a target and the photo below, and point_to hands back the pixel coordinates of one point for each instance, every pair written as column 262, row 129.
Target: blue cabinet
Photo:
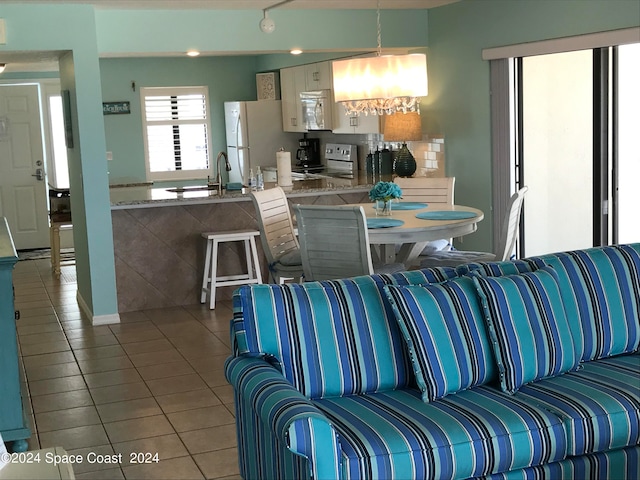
column 13, row 425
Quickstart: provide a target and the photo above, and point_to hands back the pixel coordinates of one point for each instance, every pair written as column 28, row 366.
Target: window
column 176, row 128
column 59, row 171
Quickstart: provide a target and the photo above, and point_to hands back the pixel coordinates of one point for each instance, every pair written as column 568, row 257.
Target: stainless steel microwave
column 317, row 110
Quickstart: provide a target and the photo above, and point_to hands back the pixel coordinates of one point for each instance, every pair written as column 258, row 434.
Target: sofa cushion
column 497, row 269
column 328, row 338
column 528, row 326
column 445, row 333
column 601, row 294
column 472, row 433
column 599, row 404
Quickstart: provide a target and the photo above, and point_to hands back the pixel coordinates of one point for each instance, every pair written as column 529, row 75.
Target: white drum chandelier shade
column 380, row 85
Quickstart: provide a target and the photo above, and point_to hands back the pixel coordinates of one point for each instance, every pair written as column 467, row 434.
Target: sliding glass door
column 557, row 151
column 578, row 148
column 627, row 144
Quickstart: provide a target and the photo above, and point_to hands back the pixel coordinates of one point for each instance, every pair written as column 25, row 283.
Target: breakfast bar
column 159, row 251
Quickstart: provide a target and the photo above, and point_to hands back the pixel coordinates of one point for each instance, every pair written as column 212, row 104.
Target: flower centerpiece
column 383, row 193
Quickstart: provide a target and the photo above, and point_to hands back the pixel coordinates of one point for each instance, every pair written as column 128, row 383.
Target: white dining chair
column 431, row 190
column 504, row 249
column 435, row 191
column 277, row 234
column 334, row 243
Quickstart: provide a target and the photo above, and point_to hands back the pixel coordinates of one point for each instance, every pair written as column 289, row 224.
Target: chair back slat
column 334, row 241
column 277, row 234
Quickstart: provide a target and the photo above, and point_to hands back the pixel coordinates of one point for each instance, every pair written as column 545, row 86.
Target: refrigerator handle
column 240, row 158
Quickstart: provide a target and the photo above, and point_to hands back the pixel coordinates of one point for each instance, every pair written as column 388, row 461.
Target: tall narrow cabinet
column 13, row 425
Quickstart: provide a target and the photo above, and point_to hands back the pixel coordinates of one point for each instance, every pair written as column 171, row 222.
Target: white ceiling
column 251, row 4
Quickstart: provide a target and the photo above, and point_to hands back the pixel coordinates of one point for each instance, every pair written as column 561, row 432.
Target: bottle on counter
column 252, row 180
column 259, row 179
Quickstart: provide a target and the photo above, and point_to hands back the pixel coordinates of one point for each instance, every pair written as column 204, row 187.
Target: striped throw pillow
column 443, row 327
column 529, row 328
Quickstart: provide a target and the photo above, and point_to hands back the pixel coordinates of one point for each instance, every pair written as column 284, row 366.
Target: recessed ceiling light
column 295, row 51
column 193, row 53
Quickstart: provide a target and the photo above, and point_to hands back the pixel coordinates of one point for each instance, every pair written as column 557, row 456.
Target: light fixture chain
column 379, row 28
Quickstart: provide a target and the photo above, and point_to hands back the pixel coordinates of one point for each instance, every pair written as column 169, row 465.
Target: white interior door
column 23, row 192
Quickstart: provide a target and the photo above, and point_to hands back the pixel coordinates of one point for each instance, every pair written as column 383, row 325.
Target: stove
column 341, row 159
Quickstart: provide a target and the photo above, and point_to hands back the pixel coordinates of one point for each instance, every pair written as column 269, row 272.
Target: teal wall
column 225, row 31
column 458, row 102
column 71, row 29
column 228, row 78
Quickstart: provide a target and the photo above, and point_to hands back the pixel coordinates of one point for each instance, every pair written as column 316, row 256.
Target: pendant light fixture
column 2, row 67
column 380, row 85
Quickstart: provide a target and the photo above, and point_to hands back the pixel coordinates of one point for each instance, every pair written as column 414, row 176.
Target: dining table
column 413, row 224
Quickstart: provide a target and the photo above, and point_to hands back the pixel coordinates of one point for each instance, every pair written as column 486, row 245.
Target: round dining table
column 413, row 233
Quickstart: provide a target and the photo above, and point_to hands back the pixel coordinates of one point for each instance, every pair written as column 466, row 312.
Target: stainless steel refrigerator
column 254, row 135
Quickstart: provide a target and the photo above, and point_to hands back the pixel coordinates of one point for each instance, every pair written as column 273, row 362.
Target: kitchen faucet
column 227, row 167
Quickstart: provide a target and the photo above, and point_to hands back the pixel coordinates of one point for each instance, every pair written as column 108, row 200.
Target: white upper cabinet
column 355, row 123
column 318, row 76
column 292, row 82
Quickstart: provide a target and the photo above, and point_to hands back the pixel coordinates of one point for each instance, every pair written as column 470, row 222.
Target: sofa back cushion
column 601, row 294
column 329, row 338
column 527, row 322
column 444, row 329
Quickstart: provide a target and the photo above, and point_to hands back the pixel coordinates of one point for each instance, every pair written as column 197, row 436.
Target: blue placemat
column 445, row 215
column 409, row 206
column 384, row 222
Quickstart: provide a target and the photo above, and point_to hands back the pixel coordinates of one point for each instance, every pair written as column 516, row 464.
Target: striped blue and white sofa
column 519, row 370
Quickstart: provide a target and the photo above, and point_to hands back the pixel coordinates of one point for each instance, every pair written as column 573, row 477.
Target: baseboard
column 96, row 319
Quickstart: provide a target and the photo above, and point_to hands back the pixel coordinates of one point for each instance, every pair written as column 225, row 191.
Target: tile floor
column 152, row 384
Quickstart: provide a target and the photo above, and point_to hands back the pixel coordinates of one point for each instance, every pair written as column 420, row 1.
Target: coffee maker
column 308, row 155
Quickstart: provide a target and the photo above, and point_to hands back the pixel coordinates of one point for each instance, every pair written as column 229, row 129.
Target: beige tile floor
column 152, row 384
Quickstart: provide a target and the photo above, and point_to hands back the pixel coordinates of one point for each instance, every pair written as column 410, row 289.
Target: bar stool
column 210, row 275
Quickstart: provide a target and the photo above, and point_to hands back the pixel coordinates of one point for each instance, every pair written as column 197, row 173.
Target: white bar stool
column 253, row 274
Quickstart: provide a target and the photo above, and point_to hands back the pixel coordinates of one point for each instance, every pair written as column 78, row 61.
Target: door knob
column 39, row 174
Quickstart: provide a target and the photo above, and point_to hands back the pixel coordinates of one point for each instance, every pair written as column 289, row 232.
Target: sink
column 196, row 188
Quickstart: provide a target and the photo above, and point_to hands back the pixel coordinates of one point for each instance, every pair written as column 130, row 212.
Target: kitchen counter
column 123, row 197
column 158, row 244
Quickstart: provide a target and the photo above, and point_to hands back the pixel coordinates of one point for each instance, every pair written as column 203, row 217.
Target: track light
column 267, row 25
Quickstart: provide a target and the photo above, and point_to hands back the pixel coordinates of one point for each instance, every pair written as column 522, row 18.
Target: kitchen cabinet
column 318, row 76
column 355, row 123
column 13, row 425
column 303, row 78
column 292, row 82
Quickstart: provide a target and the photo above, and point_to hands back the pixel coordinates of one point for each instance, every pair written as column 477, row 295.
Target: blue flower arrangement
column 385, row 191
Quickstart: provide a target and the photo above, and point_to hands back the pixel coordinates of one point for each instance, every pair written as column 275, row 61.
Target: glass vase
column 383, row 208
